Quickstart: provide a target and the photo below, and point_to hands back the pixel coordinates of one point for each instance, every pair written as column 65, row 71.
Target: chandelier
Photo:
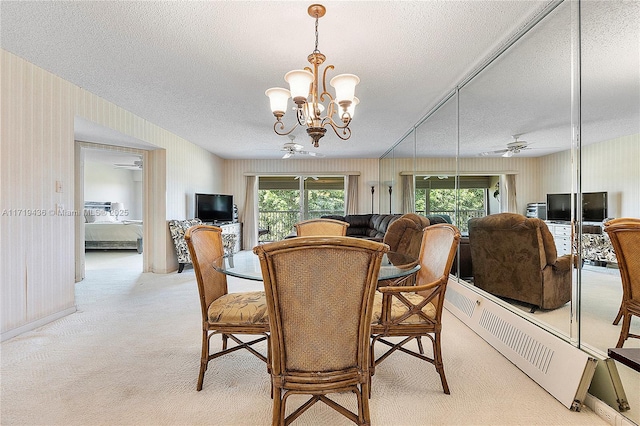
column 304, row 89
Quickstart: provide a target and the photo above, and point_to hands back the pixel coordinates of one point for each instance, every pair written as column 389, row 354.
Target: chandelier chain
column 316, row 49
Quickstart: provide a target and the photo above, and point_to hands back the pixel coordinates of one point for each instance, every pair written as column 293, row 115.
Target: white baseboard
column 606, row 413
column 559, row 367
column 35, row 324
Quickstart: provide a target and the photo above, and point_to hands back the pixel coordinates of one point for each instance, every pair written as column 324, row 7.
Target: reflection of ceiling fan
column 291, row 148
column 512, row 148
column 136, row 165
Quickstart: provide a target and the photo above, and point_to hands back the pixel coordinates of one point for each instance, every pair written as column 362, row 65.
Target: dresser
column 562, row 236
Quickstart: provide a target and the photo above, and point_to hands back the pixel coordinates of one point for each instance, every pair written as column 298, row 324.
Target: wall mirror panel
column 513, row 116
column 545, row 120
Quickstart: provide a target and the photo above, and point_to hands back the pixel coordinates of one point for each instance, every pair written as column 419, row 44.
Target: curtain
column 352, row 194
column 250, row 214
column 508, row 198
column 408, row 194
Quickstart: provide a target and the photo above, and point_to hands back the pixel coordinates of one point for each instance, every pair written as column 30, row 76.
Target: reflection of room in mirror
column 529, row 90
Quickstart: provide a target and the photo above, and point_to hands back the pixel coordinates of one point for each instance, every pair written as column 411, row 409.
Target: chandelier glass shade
column 310, row 102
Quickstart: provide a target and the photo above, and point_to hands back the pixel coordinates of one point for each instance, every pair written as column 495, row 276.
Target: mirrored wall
column 556, row 112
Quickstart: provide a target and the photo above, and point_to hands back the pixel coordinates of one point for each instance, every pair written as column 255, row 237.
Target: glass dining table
column 246, row 265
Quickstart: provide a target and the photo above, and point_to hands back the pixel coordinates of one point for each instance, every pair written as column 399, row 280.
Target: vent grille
column 530, row 349
column 559, row 367
column 460, row 301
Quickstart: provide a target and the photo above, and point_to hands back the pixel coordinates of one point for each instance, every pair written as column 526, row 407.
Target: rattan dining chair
column 322, row 226
column 416, row 311
column 320, row 293
column 625, row 238
column 228, row 314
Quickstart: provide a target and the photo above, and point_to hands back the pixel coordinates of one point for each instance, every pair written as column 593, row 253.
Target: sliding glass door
column 285, row 200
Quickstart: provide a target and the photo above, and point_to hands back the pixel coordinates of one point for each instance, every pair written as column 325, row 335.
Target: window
column 438, row 195
column 285, row 200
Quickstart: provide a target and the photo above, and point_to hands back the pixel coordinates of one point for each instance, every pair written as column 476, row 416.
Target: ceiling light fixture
column 305, row 91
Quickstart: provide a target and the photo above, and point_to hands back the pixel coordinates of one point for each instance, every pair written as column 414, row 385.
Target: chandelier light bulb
column 351, row 109
column 278, row 98
column 299, row 84
column 345, row 85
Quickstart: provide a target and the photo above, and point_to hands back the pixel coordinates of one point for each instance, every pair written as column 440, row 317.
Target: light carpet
column 130, row 356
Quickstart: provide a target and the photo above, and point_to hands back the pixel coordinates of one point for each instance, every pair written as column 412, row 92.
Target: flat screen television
column 594, row 207
column 214, row 207
column 559, row 207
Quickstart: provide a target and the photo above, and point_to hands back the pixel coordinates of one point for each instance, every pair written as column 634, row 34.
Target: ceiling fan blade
column 315, row 154
column 287, row 155
column 500, row 151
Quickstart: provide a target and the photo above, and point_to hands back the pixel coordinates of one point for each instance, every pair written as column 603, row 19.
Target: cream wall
column 37, row 266
column 610, row 166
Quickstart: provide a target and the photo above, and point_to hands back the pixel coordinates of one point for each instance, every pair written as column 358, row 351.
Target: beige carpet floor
column 130, row 356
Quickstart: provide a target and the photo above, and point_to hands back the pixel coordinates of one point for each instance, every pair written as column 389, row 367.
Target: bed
column 102, row 230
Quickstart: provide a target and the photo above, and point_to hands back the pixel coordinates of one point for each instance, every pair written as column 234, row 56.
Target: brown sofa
column 515, row 257
column 368, row 226
column 374, row 226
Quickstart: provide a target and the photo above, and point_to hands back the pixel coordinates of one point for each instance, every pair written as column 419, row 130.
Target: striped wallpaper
column 37, row 266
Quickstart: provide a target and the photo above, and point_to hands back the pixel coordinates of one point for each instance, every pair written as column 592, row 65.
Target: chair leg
column 363, row 403
column 204, row 359
column 180, row 267
column 224, row 342
column 420, row 348
column 437, row 357
column 618, row 317
column 624, row 333
column 278, row 408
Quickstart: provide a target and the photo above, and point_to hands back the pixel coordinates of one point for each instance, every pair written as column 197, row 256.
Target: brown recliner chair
column 404, row 235
column 515, row 257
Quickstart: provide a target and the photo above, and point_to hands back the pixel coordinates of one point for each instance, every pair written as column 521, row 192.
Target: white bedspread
column 113, row 231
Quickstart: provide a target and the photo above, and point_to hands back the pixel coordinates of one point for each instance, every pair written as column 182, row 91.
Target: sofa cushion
column 438, row 218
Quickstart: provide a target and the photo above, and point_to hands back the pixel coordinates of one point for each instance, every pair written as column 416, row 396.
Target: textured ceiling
column 200, row 69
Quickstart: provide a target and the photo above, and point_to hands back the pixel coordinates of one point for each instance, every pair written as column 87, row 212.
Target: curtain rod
column 347, row 173
column 450, row 173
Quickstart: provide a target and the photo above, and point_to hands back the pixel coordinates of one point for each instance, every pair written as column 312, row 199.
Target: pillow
column 90, row 215
column 104, row 217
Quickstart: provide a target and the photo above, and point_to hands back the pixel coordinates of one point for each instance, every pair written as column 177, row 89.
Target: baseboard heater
column 560, row 368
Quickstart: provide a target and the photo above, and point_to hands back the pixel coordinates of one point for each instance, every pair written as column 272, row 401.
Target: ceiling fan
column 291, row 148
column 136, row 165
column 512, row 148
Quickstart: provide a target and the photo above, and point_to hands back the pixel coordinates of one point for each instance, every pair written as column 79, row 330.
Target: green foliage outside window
column 280, row 208
column 470, row 203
